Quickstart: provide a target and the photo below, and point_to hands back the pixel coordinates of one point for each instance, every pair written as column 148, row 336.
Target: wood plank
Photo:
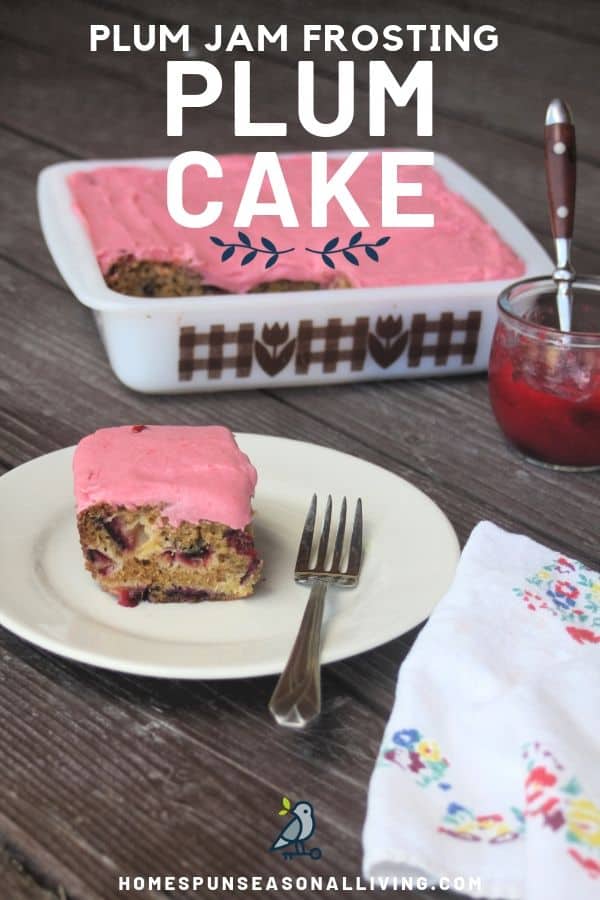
column 19, row 884
column 21, row 237
column 579, row 20
column 447, row 430
column 184, row 759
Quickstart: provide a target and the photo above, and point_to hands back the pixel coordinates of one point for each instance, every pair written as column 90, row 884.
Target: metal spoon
column 559, row 146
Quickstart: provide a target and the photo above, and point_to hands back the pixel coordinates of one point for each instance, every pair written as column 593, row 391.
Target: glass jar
column 545, row 384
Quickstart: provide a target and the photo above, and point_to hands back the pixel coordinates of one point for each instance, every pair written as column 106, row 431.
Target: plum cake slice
column 164, row 513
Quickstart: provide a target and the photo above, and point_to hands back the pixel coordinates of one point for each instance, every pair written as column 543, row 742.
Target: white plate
column 48, row 598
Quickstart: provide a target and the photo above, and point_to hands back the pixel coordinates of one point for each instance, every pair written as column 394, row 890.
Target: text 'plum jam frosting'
column 194, row 473
column 125, row 211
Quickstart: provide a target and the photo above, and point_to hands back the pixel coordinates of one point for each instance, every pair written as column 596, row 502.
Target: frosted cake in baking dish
column 143, row 252
column 164, row 513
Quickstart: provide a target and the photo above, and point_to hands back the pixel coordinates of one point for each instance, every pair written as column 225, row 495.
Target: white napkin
column 489, row 769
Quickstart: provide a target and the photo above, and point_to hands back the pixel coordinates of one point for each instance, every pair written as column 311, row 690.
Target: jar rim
column 591, row 282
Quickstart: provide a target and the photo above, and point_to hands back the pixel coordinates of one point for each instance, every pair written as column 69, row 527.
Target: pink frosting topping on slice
column 194, row 473
column 125, row 211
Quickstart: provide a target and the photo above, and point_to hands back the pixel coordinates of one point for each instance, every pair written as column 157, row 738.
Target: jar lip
column 583, row 281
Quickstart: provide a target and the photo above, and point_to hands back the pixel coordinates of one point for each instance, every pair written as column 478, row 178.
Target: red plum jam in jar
column 544, row 383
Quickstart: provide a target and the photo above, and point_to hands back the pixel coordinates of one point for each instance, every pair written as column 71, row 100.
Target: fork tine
column 339, row 539
column 355, row 554
column 323, row 543
column 303, row 560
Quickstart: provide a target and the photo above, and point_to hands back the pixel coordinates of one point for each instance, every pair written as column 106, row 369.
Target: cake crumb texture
column 135, row 554
column 146, row 278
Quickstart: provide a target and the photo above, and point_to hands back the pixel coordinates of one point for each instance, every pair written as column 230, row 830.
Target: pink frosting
column 126, row 214
column 194, row 473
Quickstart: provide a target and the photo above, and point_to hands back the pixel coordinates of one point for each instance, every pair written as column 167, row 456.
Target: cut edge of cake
column 153, row 278
column 136, row 554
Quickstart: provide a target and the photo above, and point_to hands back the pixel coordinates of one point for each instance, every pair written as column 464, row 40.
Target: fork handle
column 296, row 699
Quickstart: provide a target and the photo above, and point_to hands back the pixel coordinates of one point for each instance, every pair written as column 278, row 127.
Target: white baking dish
column 225, row 342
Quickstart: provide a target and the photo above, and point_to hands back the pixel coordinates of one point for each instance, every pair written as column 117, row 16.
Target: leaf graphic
column 244, row 239
column 355, row 238
column 227, row 254
column 268, row 244
column 249, row 257
column 282, row 812
column 372, row 254
column 217, row 240
column 399, row 346
column 350, row 257
column 265, row 361
column 328, row 261
column 331, row 244
column 271, row 261
column 282, row 359
column 286, row 802
column 382, row 241
column 379, row 352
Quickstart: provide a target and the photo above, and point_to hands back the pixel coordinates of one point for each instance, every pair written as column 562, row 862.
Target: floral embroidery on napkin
column 559, row 800
column 567, row 589
column 423, row 757
column 462, row 823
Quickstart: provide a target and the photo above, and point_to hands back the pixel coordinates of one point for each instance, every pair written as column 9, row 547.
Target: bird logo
column 291, row 839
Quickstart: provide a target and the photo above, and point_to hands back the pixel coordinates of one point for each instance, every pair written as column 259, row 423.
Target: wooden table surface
column 104, row 774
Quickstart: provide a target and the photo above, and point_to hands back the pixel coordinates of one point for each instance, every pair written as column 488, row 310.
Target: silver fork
column 296, row 699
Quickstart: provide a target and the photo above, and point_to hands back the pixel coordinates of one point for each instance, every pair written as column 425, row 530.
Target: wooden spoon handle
column 559, row 147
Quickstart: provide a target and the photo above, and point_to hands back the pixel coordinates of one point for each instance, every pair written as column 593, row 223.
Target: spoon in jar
column 559, row 147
